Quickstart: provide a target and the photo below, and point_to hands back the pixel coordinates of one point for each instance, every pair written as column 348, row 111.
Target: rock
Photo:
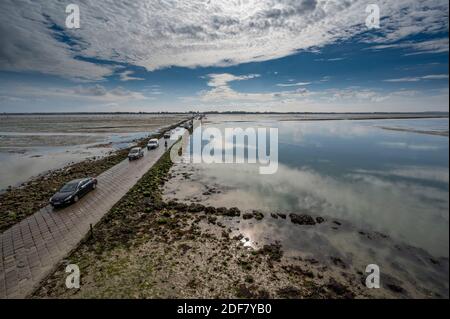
column 289, row 292
column 395, row 288
column 242, row 291
column 212, row 219
column 210, row 210
column 274, row 251
column 297, row 270
column 264, row 294
column 221, row 210
column 184, row 248
column 234, row 212
column 258, row 215
column 247, row 216
column 249, row 279
column 195, row 208
column 338, row 262
column 434, row 261
column 339, row 289
column 181, row 207
column 172, row 203
column 302, row 219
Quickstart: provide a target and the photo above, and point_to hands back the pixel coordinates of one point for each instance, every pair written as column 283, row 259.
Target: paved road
column 30, row 250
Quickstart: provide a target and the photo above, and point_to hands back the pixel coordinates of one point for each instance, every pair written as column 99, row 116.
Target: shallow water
column 34, row 144
column 392, row 185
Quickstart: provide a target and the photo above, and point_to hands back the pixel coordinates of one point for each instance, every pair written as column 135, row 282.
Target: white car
column 153, row 143
column 135, row 153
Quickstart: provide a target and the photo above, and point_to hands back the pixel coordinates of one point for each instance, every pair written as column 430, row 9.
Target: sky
column 224, row 55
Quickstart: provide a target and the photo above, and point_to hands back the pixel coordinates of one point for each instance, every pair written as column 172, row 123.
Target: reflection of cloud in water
column 339, row 129
column 410, row 212
column 437, row 174
column 410, row 146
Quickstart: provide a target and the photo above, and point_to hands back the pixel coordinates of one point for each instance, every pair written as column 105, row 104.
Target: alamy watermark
column 73, row 279
column 73, row 17
column 373, row 19
column 233, row 145
column 373, row 279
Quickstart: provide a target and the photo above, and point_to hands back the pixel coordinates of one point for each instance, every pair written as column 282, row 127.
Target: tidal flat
column 347, row 194
column 31, row 145
column 383, row 194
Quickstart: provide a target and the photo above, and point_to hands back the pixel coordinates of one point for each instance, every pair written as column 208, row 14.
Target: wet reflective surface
column 384, row 194
column 33, row 144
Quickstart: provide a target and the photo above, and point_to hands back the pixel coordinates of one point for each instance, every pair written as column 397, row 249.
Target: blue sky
column 267, row 55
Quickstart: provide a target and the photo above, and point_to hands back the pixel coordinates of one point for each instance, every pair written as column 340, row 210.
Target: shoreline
column 143, row 239
column 148, row 247
column 20, row 201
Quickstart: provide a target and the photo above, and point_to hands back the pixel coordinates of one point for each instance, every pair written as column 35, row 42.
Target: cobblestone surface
column 30, row 249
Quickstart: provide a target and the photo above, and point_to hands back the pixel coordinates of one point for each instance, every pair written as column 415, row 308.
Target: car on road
column 135, row 153
column 153, row 143
column 72, row 191
column 167, row 135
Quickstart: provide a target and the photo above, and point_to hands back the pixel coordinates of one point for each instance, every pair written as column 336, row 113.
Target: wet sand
column 175, row 236
column 337, row 248
column 31, row 145
column 51, row 172
column 150, row 246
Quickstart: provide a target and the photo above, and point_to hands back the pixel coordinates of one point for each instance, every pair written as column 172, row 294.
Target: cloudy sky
column 253, row 55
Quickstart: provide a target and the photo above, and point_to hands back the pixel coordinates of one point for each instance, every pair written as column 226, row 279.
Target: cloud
column 126, row 76
column 423, row 47
column 190, row 33
column 330, row 60
column 420, row 78
column 410, row 146
column 293, row 84
column 222, row 79
column 97, row 93
column 354, row 94
column 221, row 91
column 349, row 99
column 29, row 44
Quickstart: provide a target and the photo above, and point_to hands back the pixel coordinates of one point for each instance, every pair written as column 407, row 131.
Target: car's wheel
column 94, row 186
column 75, row 199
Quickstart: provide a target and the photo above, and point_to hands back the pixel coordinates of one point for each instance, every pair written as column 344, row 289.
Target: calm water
column 369, row 178
column 390, row 181
column 25, row 155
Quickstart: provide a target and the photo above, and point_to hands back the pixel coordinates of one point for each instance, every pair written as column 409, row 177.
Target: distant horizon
column 220, row 112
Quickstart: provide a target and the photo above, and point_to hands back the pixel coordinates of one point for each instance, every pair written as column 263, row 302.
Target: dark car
column 73, row 191
column 135, row 153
